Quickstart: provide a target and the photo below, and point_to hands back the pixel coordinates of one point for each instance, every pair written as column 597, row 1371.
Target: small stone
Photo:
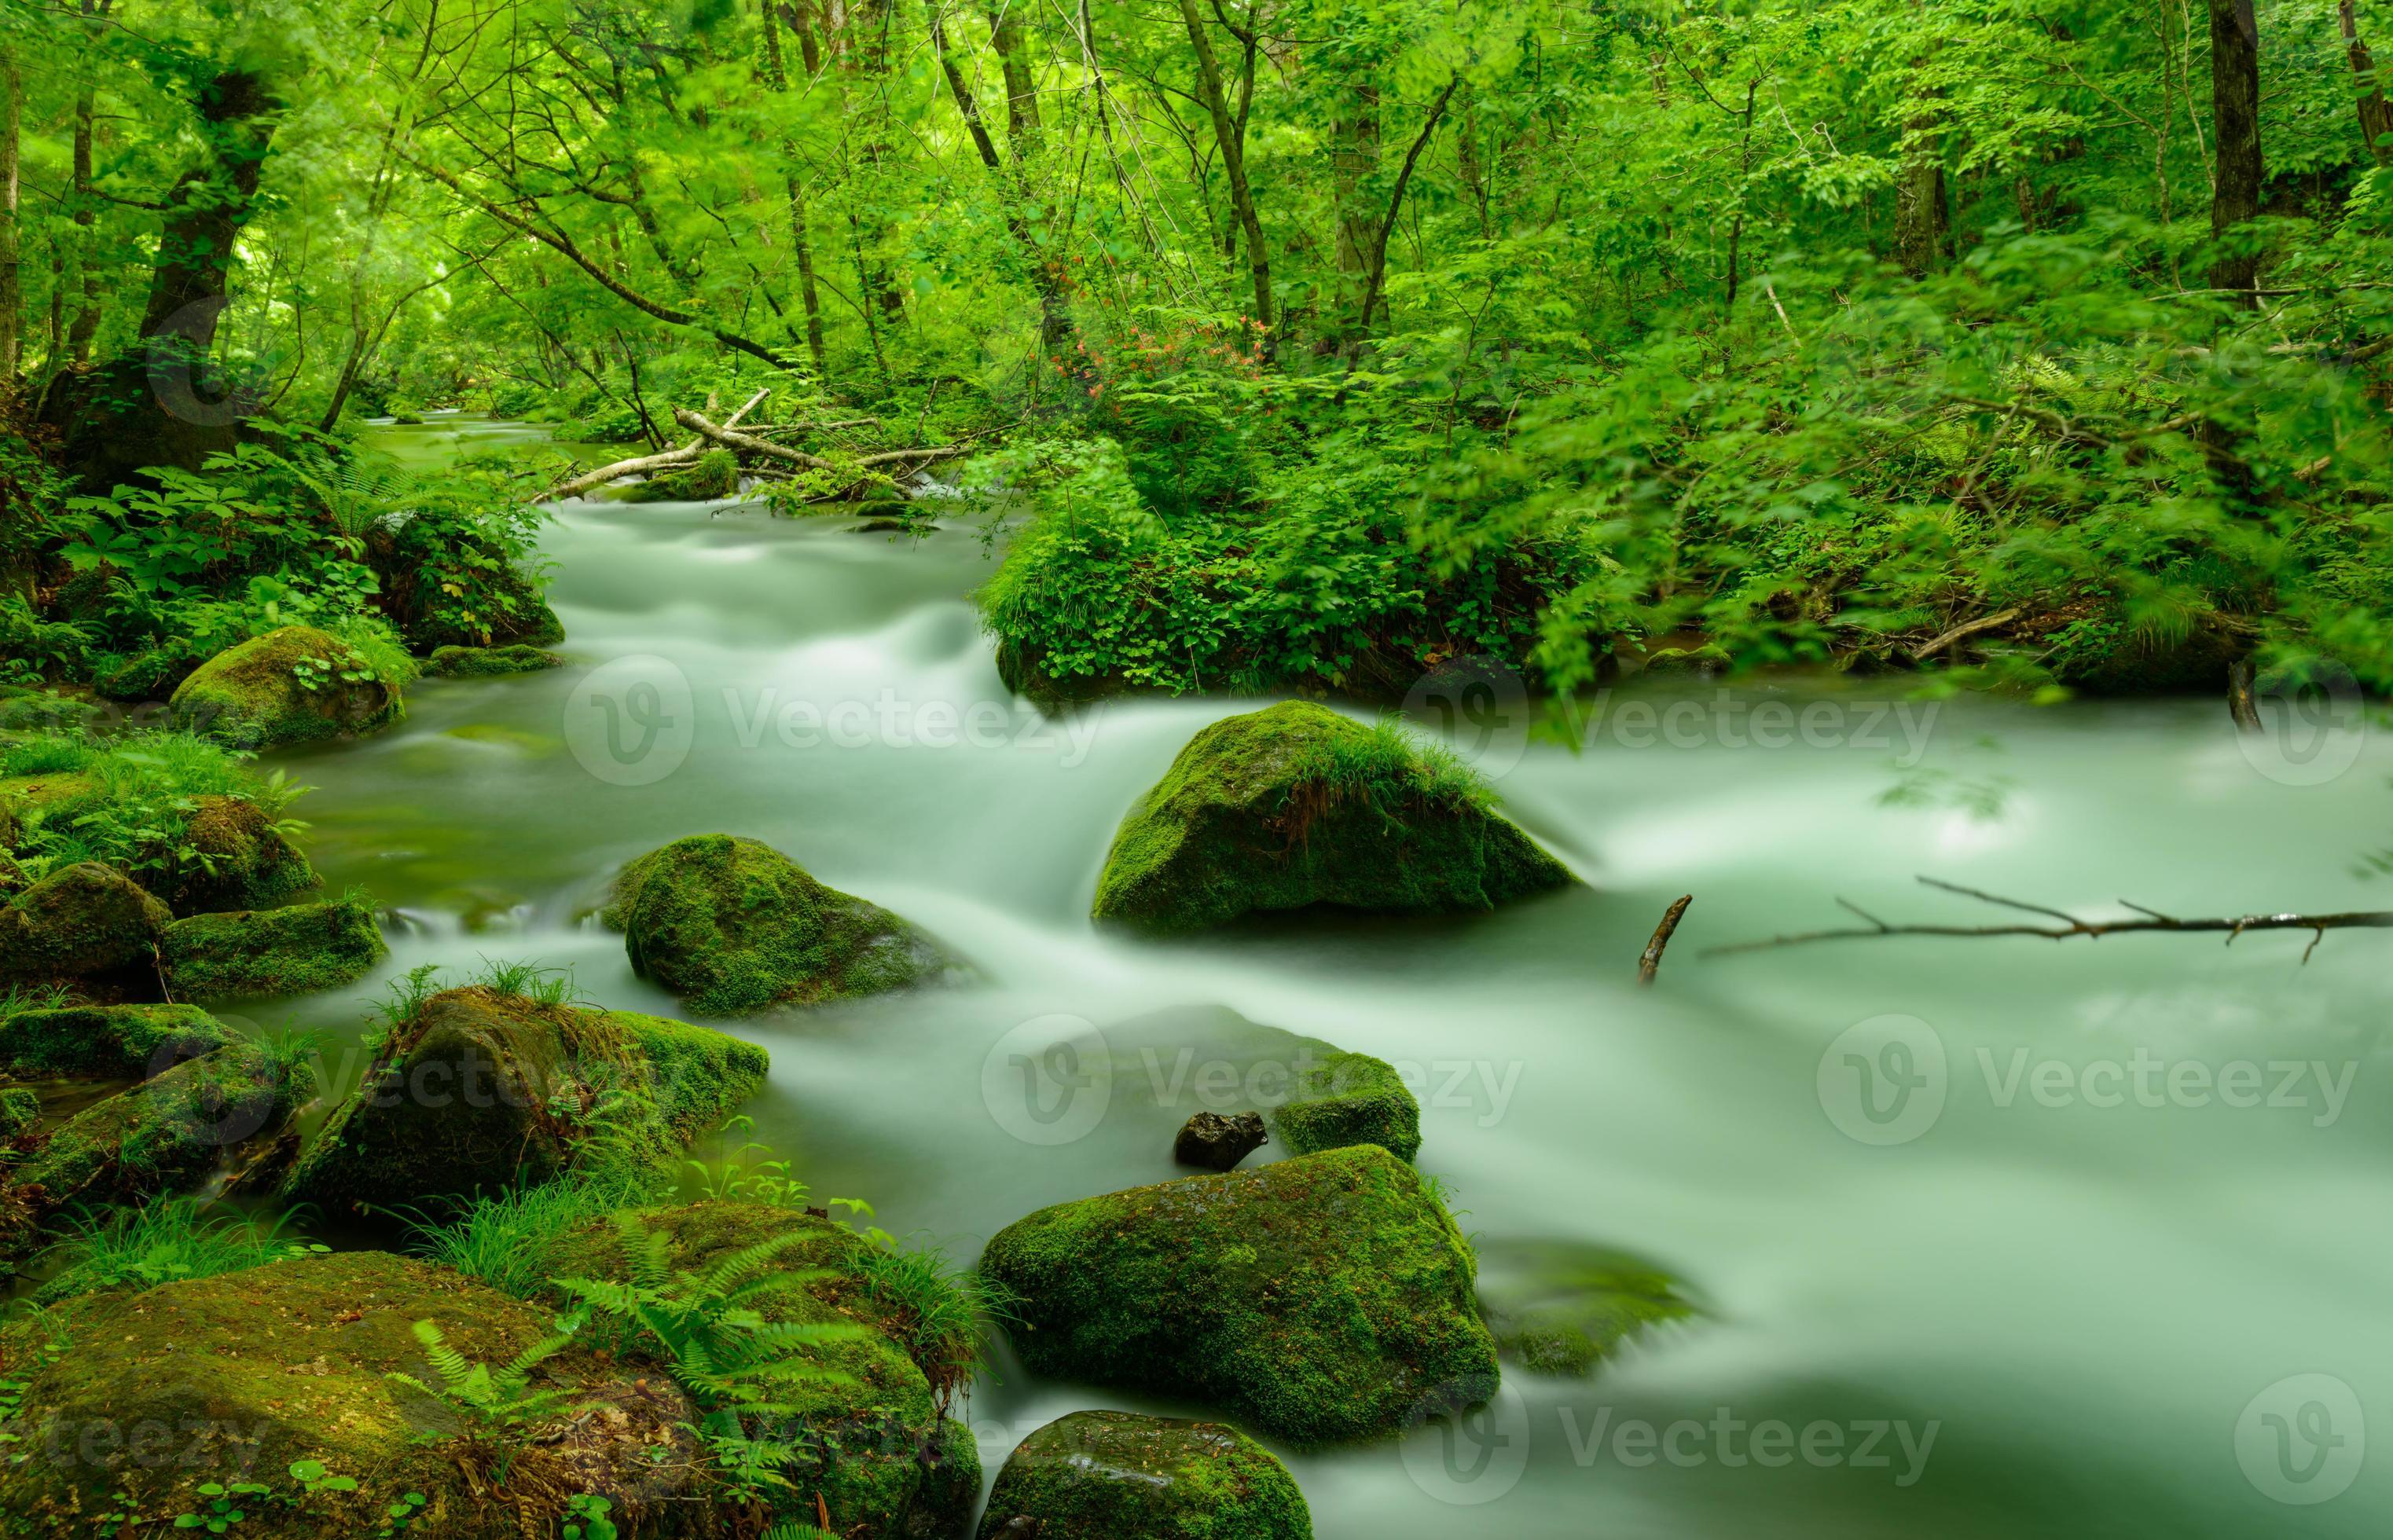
column 1217, row 1143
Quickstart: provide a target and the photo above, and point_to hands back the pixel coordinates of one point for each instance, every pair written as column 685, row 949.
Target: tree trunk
column 1234, row 162
column 1023, row 130
column 2376, row 112
column 86, row 218
column 207, row 209
column 1920, row 222
column 12, row 334
column 1353, row 157
column 799, row 239
column 1054, row 321
column 2235, row 108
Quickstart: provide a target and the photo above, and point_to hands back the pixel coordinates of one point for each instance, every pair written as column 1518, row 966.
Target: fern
column 493, row 1399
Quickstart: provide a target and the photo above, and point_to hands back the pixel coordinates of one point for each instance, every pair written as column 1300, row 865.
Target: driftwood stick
column 1966, row 628
column 1650, row 962
column 770, row 450
column 2148, row 919
column 670, row 460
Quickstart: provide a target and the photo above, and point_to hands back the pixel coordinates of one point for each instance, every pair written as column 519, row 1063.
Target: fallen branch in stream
column 2070, row 925
column 749, row 443
column 1650, row 962
column 670, row 460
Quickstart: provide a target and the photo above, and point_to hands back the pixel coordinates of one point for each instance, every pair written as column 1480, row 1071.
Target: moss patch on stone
column 1349, row 1099
column 479, row 1090
column 294, row 685
column 1323, row 1299
column 288, row 951
column 489, row 662
column 1297, row 806
column 1563, row 1307
column 87, row 926
column 124, row 1042
column 240, row 859
column 1118, row 1476
column 20, row 1108
column 732, row 926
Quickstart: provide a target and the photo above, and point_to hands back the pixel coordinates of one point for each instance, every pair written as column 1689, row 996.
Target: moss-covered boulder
column 714, row 476
column 235, row 857
column 88, row 927
column 1296, row 807
column 881, row 1452
column 481, row 1088
column 289, row 951
column 732, row 926
column 1562, row 1306
column 20, row 1108
column 238, row 1377
column 207, row 851
column 1345, row 1099
column 112, row 1042
column 294, row 685
column 489, row 662
column 1323, row 1299
column 149, row 674
column 1118, row 1476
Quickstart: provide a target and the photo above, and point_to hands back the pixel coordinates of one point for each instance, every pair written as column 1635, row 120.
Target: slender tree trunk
column 2376, row 112
column 1354, row 157
column 1920, row 222
column 1054, row 321
column 12, row 335
column 1023, row 130
column 208, row 208
column 87, row 218
column 2235, row 108
column 1234, row 162
column 799, row 239
column 863, row 55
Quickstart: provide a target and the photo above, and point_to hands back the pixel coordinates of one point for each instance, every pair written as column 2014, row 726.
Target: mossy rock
column 715, row 475
column 479, row 1090
column 290, row 951
column 1565, row 1307
column 1349, row 1099
column 149, row 674
column 732, row 926
column 243, row 861
column 25, row 711
column 169, row 1133
column 115, row 1042
column 530, row 624
column 253, row 694
column 1321, row 1299
column 882, row 1453
column 1297, row 806
column 20, row 1108
column 240, row 1375
column 489, row 662
column 1118, row 1476
column 13, row 879
column 88, row 927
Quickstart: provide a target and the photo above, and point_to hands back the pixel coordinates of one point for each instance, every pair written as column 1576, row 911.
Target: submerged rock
column 1297, row 806
column 1323, row 1299
column 1349, row 1099
column 478, row 1090
column 731, row 926
column 294, row 685
column 289, row 951
column 1565, row 1307
column 1217, row 1143
column 88, row 927
column 487, row 662
column 246, row 1374
column 1118, row 1476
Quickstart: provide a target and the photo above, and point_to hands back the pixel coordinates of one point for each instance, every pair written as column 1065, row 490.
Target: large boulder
column 87, row 926
column 879, row 1448
column 1345, row 1099
column 210, row 851
column 478, row 1089
column 1118, row 1476
column 732, row 926
column 294, row 685
column 1296, row 807
column 240, row 1376
column 1321, row 1299
column 237, row 858
column 289, row 951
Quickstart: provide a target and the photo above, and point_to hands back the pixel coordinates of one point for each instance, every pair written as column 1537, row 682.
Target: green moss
column 151, row 674
column 485, row 662
column 238, row 858
column 1297, row 806
column 20, row 1108
column 731, row 926
column 239, row 1376
column 1349, row 1099
column 1323, row 1299
column 295, row 685
column 1118, row 1476
column 13, row 879
column 714, row 476
column 88, row 925
column 108, row 1041
column 290, row 951
column 1562, row 1308
column 479, row 1088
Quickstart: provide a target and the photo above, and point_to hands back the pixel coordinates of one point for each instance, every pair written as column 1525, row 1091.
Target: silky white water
column 2082, row 1300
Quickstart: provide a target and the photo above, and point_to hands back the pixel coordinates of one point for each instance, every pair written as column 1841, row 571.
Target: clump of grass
column 403, row 1001
column 162, row 1242
column 143, row 787
column 528, row 981
column 1388, row 768
column 936, row 1310
column 17, row 998
column 503, row 1238
column 46, row 754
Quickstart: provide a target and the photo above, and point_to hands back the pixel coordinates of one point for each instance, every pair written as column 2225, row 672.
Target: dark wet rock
column 1118, row 1476
column 87, row 927
column 1217, row 1143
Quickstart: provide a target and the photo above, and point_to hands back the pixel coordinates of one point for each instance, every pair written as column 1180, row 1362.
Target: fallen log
column 749, row 443
column 669, row 460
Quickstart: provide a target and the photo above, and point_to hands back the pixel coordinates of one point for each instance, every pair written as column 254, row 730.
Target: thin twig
column 1651, row 962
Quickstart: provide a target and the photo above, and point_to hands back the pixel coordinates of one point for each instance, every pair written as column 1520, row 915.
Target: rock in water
column 479, row 1088
column 732, row 926
column 1217, row 1143
column 295, row 685
column 1323, row 1299
column 114, row 1042
column 1117, row 1475
column 290, row 951
column 486, row 662
column 1298, row 806
column 1349, row 1099
column 240, row 860
column 87, row 926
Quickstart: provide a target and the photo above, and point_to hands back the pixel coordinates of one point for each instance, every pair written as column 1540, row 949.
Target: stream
column 1990, row 1236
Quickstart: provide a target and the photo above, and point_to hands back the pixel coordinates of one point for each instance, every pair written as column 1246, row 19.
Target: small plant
column 585, row 1517
column 223, row 1508
column 402, row 1513
column 528, row 981
column 492, row 1398
column 502, row 1238
column 165, row 1241
column 405, row 999
column 313, row 1479
column 735, row 1177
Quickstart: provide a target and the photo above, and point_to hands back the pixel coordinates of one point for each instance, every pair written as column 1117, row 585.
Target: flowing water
column 2056, row 1241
